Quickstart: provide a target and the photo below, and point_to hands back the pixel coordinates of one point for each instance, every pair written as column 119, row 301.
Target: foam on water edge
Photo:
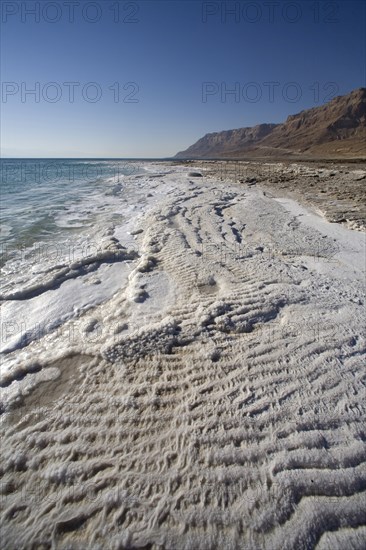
column 86, row 259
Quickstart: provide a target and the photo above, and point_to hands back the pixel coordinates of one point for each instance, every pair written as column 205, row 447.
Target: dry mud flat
column 226, row 409
column 337, row 191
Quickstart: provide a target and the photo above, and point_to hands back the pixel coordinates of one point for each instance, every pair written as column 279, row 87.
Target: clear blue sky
column 169, row 50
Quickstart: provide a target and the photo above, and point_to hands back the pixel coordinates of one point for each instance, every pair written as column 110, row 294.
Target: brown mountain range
column 334, row 130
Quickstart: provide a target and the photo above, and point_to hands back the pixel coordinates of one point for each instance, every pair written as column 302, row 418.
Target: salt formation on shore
column 216, row 400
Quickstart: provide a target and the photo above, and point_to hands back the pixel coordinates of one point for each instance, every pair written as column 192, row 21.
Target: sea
column 45, row 200
column 58, row 218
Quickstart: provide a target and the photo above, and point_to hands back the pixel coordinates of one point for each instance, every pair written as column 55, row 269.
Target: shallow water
column 59, row 256
column 48, row 199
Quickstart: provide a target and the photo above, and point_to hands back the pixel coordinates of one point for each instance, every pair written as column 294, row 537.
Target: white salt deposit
column 200, row 382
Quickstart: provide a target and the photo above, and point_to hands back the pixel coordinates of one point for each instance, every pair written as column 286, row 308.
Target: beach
column 193, row 377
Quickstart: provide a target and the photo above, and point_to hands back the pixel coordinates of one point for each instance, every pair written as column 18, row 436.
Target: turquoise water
column 43, row 199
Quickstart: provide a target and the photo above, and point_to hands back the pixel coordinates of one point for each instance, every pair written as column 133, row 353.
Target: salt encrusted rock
column 194, row 175
column 251, row 181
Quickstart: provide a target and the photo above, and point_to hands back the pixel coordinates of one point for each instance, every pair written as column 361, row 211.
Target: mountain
column 336, row 129
column 228, row 141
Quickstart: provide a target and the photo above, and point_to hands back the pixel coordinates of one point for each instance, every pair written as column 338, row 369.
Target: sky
column 113, row 78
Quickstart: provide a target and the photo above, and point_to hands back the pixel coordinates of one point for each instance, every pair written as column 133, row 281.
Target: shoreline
column 215, row 400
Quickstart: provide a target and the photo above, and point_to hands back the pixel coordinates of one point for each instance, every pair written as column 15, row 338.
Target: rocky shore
column 336, row 191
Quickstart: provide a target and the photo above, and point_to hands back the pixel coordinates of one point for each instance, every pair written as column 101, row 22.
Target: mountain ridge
column 335, row 129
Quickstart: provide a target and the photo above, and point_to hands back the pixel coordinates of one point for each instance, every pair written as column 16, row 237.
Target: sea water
column 58, row 215
column 45, row 200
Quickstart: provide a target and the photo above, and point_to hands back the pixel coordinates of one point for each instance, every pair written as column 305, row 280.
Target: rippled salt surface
column 216, row 400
